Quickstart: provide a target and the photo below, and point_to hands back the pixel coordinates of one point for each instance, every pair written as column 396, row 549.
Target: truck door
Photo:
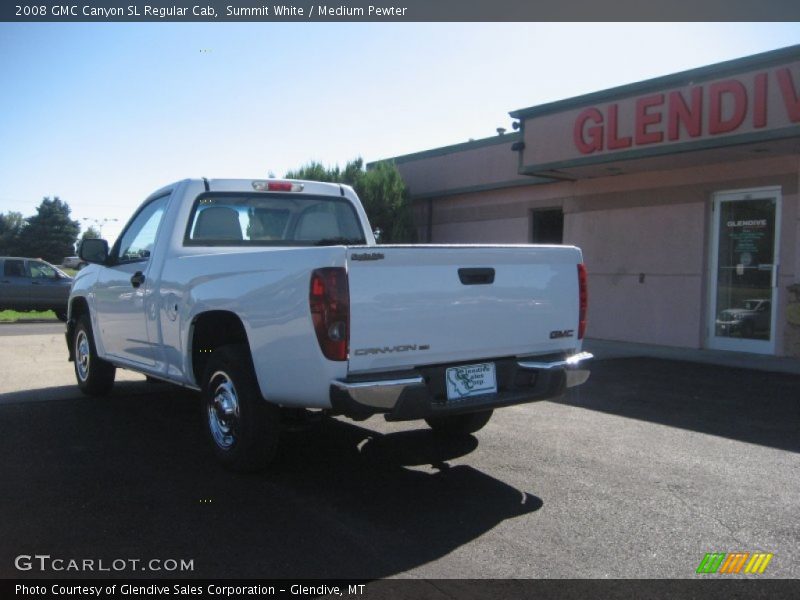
column 48, row 289
column 122, row 289
column 14, row 285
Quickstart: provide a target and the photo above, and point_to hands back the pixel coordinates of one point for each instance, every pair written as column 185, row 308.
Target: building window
column 547, row 226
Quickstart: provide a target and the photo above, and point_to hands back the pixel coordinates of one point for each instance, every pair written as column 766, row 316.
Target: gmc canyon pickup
column 272, row 295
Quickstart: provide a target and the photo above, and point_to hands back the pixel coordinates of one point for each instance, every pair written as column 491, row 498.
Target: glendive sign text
column 751, row 102
column 697, row 110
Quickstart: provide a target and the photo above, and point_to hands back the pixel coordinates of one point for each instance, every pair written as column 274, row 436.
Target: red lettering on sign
column 717, row 123
column 645, row 119
column 790, row 99
column 738, row 104
column 760, row 101
column 614, row 141
column 679, row 113
column 595, row 133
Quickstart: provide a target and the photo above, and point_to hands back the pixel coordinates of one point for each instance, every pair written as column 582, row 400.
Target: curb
column 29, row 321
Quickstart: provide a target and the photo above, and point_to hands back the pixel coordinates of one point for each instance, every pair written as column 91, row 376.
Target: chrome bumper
column 379, row 394
column 571, row 365
column 395, row 395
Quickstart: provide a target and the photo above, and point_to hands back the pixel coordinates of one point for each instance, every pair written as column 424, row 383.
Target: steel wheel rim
column 223, row 411
column 83, row 355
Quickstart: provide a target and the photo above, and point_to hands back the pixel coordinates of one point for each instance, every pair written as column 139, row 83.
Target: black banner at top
column 399, row 10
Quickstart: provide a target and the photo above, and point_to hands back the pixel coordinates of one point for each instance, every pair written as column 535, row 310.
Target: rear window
column 272, row 220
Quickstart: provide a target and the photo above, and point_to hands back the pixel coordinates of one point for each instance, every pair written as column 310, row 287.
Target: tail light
column 329, row 299
column 583, row 300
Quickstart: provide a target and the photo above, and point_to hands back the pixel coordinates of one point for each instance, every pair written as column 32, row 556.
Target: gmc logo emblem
column 561, row 333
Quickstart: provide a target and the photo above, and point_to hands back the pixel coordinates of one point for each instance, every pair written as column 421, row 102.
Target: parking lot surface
column 637, row 474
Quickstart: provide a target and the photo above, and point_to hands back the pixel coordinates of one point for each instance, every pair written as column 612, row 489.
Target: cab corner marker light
column 277, row 186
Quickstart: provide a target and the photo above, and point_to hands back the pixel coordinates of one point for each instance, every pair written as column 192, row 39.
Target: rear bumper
column 421, row 393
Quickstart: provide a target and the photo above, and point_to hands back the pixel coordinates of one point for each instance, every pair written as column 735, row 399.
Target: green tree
column 315, row 171
column 381, row 189
column 91, row 234
column 385, row 197
column 50, row 233
column 11, row 225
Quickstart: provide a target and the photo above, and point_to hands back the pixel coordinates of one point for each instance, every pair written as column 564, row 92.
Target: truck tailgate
column 423, row 305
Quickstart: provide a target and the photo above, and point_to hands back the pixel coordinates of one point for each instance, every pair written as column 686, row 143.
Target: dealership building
column 682, row 192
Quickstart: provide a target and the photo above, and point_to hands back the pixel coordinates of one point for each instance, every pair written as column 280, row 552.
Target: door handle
column 476, row 276
column 137, row 279
column 36, row 283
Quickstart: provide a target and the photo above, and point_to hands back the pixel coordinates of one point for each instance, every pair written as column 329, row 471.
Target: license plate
column 470, row 380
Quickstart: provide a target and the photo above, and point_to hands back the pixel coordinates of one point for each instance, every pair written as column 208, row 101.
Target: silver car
column 72, row 262
column 32, row 284
column 750, row 320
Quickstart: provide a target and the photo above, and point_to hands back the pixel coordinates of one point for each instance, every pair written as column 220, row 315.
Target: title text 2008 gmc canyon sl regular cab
column 267, row 295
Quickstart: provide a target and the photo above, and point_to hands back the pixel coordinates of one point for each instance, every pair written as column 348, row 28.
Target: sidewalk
column 29, row 321
column 607, row 349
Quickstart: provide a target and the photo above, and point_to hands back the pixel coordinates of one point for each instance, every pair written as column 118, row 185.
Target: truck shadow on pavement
column 742, row 404
column 130, row 476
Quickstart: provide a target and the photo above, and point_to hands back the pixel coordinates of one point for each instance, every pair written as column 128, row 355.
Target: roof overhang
column 727, row 112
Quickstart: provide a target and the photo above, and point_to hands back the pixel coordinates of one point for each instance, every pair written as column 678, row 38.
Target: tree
column 381, row 189
column 49, row 234
column 385, row 197
column 11, row 225
column 91, row 234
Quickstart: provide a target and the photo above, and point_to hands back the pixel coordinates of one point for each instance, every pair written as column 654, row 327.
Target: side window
column 138, row 239
column 40, row 270
column 14, row 268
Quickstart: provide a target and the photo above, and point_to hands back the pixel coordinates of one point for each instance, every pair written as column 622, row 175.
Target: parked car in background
column 32, row 284
column 72, row 262
column 749, row 320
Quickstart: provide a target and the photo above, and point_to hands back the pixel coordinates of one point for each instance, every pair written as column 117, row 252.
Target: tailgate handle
column 476, row 276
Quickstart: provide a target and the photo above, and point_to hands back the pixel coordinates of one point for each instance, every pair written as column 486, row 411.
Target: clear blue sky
column 103, row 114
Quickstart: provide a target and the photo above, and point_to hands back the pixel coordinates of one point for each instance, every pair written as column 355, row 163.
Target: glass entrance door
column 744, row 271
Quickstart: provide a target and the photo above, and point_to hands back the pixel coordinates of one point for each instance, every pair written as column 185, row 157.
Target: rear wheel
column 242, row 427
column 95, row 376
column 61, row 315
column 459, row 424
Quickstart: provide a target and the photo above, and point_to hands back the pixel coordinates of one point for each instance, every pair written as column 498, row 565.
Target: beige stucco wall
column 646, row 266
column 483, row 165
column 654, row 223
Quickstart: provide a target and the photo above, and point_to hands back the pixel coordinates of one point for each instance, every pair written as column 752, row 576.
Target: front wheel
column 459, row 424
column 242, row 427
column 95, row 376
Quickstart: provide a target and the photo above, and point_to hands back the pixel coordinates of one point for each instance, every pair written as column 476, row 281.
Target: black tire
column 61, row 315
column 459, row 424
column 95, row 376
column 242, row 427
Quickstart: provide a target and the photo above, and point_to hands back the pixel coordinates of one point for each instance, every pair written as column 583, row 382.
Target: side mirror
column 377, row 233
column 93, row 250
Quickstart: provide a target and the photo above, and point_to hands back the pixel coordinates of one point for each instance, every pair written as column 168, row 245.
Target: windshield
column 274, row 220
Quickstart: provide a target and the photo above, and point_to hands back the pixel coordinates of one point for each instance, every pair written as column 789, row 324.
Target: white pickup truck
column 271, row 295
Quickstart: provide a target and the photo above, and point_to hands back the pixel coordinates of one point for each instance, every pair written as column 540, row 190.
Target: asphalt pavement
column 636, row 474
column 32, row 328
